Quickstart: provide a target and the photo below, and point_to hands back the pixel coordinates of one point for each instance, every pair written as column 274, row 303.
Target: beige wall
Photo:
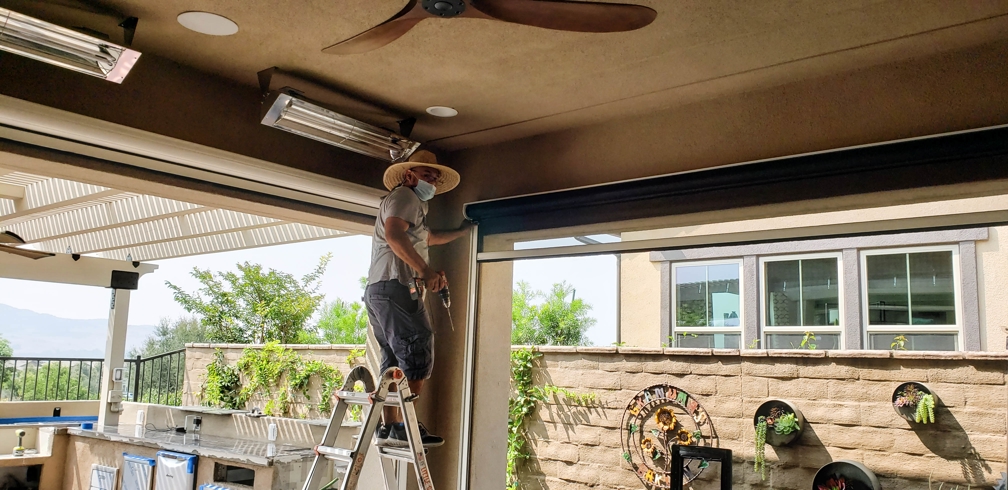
column 845, row 398
column 992, row 277
column 640, row 304
column 68, row 408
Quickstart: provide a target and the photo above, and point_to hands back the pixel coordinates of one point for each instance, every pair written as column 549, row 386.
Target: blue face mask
column 424, row 190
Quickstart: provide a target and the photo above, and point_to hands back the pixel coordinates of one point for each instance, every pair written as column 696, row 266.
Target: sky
column 592, row 277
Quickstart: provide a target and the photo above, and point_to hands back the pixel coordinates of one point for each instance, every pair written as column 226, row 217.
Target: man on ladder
column 400, row 270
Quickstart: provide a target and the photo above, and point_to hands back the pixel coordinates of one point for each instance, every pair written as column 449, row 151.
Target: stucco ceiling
column 509, row 81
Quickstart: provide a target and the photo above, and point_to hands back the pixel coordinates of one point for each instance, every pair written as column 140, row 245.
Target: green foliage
column 253, row 305
column 925, row 410
column 5, row 348
column 343, row 322
column 355, row 356
column 898, row 343
column 525, row 397
column 754, row 343
column 808, row 341
column 680, row 340
column 171, row 335
column 222, row 387
column 786, row 424
column 555, row 321
column 760, row 465
column 273, row 374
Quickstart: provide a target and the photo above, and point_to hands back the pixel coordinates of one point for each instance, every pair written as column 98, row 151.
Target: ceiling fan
column 550, row 14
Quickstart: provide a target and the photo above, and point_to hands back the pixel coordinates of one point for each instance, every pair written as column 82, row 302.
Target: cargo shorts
column 401, row 328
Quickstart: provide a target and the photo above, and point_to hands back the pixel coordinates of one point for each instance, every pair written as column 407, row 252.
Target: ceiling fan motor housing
column 444, row 8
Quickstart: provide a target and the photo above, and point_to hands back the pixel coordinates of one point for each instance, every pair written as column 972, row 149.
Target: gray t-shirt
column 401, row 203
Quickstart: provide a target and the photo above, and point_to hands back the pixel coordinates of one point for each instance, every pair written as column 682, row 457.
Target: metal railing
column 156, row 379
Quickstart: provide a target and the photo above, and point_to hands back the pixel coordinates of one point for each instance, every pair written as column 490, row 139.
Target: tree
column 343, row 322
column 253, row 305
column 555, row 321
column 5, row 348
column 171, row 335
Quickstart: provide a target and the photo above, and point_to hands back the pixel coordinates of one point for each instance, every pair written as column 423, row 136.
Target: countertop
column 248, row 452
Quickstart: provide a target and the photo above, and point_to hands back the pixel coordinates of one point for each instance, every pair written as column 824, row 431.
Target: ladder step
column 393, row 397
column 336, row 453
column 354, row 397
column 398, row 454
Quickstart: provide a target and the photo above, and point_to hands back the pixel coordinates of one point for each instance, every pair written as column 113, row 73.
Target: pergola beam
column 64, row 269
column 10, row 191
column 131, row 211
column 223, row 242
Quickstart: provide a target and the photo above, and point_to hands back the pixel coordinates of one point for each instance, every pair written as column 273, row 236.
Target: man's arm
column 399, row 242
column 446, row 236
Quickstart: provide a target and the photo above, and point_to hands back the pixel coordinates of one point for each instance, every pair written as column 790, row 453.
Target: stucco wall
column 641, row 288
column 844, row 396
column 640, row 303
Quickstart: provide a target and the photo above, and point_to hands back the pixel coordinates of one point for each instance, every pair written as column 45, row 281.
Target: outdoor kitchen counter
column 249, row 452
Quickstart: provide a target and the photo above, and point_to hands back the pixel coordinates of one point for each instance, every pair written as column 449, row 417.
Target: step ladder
column 350, row 461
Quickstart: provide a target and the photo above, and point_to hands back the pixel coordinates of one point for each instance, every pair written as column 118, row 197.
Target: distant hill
column 34, row 334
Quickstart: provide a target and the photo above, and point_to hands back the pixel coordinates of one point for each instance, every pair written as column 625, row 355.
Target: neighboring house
column 927, row 290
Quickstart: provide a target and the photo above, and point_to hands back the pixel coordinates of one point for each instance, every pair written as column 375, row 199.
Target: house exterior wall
column 845, row 397
column 991, row 267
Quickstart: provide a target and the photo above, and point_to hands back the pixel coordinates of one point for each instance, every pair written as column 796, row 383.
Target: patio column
column 115, row 352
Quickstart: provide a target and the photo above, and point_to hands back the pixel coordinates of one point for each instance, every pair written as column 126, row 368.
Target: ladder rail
column 391, row 459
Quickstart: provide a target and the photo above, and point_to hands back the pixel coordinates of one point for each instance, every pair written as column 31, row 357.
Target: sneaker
column 397, row 437
column 382, row 435
column 429, row 440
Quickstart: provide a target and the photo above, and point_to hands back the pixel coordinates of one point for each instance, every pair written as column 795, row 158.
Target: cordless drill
column 417, row 287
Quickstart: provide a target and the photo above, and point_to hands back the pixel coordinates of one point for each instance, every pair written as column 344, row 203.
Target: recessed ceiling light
column 442, row 111
column 207, row 23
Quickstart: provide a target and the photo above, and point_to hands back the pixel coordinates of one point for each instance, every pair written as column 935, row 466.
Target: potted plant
column 845, row 475
column 914, row 402
column 778, row 423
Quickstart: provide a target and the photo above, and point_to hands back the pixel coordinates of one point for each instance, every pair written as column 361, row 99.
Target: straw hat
column 422, row 158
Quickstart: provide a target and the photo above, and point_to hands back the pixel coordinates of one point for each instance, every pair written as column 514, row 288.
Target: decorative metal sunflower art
column 656, row 420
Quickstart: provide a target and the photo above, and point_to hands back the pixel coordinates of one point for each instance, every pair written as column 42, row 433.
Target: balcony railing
column 156, row 379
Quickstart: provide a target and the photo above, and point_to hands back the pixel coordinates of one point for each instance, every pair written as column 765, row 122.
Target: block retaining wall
column 845, row 397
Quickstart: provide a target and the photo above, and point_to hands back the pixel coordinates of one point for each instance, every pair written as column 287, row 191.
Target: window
column 912, row 298
column 802, row 294
column 708, row 304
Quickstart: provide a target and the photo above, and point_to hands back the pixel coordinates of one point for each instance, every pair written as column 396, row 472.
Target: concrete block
column 618, row 365
column 770, row 369
column 556, row 451
column 666, row 365
column 600, row 382
column 800, row 389
column 966, row 375
column 725, row 407
column 755, row 387
column 827, row 370
column 718, row 366
column 859, row 391
column 697, row 385
column 602, row 455
column 830, row 412
column 728, row 386
column 581, row 473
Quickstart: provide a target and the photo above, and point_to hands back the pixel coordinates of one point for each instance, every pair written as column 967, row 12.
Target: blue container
column 87, row 426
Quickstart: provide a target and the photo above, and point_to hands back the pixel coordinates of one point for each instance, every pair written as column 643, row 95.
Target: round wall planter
column 908, row 412
column 772, row 437
column 856, row 475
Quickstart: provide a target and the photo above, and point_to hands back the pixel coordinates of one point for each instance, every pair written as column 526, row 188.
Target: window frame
column 673, row 314
column 910, row 328
column 830, row 329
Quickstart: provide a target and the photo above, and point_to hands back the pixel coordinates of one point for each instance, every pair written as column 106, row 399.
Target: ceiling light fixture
column 50, row 43
column 207, row 23
column 286, row 110
column 442, row 111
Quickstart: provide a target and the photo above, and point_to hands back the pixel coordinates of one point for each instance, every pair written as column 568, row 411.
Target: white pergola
column 90, row 235
column 61, row 216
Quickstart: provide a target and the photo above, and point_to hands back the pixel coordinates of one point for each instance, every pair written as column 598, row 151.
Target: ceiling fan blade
column 568, row 16
column 31, row 254
column 382, row 34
